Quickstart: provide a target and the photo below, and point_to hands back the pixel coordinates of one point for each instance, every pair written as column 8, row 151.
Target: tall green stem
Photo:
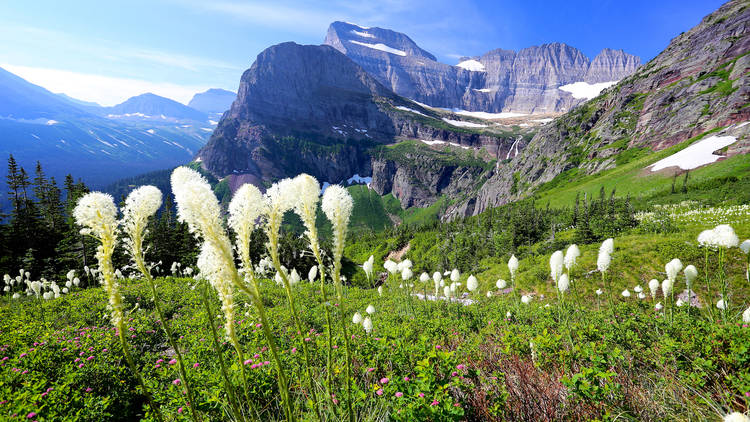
column 170, row 337
column 227, row 384
column 343, row 319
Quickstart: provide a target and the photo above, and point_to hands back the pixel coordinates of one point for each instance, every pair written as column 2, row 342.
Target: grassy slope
column 633, row 178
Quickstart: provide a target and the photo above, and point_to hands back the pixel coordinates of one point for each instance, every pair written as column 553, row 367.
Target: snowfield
column 444, row 143
column 362, row 34
column 696, row 155
column 411, row 110
column 586, row 90
column 381, row 47
column 472, row 65
column 460, row 123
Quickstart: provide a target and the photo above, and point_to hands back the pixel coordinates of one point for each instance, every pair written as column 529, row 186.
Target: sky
column 108, row 51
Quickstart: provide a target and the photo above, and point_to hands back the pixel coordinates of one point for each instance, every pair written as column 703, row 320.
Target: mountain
column 213, row 101
column 152, row 106
column 37, row 125
column 534, row 80
column 697, row 86
column 306, row 108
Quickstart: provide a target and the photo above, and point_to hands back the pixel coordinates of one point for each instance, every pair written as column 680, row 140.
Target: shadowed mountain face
column 527, row 81
column 312, row 109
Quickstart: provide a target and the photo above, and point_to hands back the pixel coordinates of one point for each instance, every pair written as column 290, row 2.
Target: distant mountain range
column 98, row 144
column 540, row 79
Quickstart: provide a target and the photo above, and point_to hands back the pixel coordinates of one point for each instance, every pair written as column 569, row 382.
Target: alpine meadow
column 360, row 231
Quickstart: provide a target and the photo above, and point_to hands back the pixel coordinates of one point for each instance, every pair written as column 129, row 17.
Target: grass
column 633, row 178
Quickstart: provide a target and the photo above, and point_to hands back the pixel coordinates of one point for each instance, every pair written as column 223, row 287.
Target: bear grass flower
column 337, row 205
column 746, row 316
column 370, row 309
column 357, row 318
column 501, row 284
column 563, row 283
column 653, row 286
column 736, row 417
column 626, row 293
column 472, row 283
column 367, row 325
column 312, row 274
column 455, row 275
column 97, row 214
column 556, row 265
column 571, row 256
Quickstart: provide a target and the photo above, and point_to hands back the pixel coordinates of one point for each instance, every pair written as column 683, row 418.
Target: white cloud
column 104, row 90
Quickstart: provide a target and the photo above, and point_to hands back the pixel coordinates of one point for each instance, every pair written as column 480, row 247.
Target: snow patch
column 362, row 34
column 151, row 131
column 485, row 90
column 51, row 122
column 586, row 90
column 411, row 110
column 207, row 129
column 472, row 65
column 381, row 47
column 696, row 155
column 460, row 123
column 543, row 120
column 742, row 125
column 213, row 122
column 444, row 143
column 359, row 180
column 354, row 24
column 485, row 115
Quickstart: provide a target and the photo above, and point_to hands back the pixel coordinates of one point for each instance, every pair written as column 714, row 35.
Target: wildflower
column 472, row 283
column 745, row 247
column 626, row 293
column 367, row 325
column 380, row 290
column 390, row 266
column 500, row 284
column 679, row 303
column 141, row 204
column 357, row 318
column 367, row 266
column 513, row 265
column 607, row 246
column 721, row 304
column 736, row 417
column 313, row 273
column 672, row 268
column 653, row 286
column 691, row 273
column 603, row 261
column 508, row 314
column 489, row 293
column 97, row 213
column 526, row 299
column 370, row 309
column 563, row 283
column 455, row 275
column 556, row 265
column 447, row 291
column 666, row 287
column 725, row 236
column 424, row 277
column 379, row 392
column 599, row 292
column 641, row 295
column 294, row 277
column 658, row 306
column 399, row 394
column 746, row 315
column 406, row 274
column 638, row 289
column 571, row 255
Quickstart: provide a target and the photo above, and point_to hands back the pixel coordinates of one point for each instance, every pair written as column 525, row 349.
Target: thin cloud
column 105, row 90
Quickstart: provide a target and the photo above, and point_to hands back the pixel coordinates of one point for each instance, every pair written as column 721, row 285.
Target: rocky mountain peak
column 352, row 39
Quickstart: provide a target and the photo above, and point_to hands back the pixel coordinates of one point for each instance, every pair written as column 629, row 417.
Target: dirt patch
column 399, row 254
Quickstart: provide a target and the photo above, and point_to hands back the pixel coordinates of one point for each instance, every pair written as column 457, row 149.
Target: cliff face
column 700, row 82
column 312, row 109
column 500, row 80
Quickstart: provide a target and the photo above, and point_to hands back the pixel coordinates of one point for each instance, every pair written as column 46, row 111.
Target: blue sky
column 107, row 51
